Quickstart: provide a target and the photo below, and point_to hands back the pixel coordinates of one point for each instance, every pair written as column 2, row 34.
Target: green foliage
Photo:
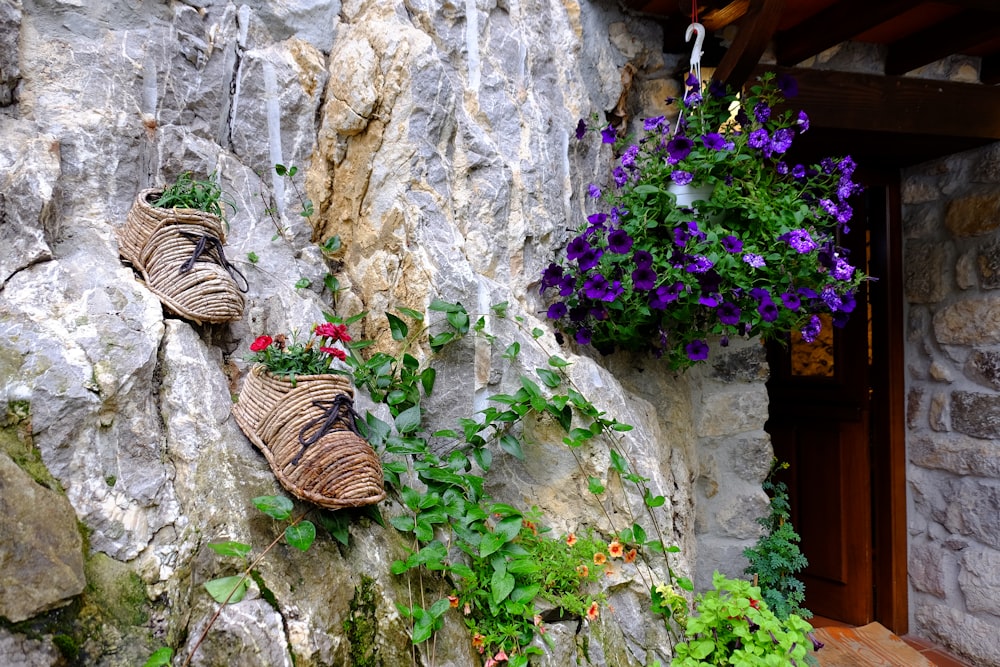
column 732, row 625
column 287, row 357
column 188, row 192
column 776, row 557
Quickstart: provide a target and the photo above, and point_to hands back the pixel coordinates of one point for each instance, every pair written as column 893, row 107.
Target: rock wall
column 951, row 218
column 435, row 140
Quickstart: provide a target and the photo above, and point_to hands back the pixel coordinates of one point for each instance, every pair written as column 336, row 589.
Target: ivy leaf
column 161, row 657
column 278, row 508
column 408, row 420
column 512, row 446
column 397, row 327
column 237, row 549
column 227, row 589
column 301, row 536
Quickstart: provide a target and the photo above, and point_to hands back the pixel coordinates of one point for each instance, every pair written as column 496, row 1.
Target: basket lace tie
column 204, row 245
column 326, row 421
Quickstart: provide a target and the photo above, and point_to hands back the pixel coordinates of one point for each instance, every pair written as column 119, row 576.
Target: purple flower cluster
column 757, row 255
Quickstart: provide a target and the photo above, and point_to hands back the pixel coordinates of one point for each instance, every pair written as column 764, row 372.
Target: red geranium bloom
column 261, row 343
column 333, row 331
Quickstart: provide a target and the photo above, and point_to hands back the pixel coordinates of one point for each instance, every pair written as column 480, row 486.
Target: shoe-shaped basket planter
column 307, row 433
column 179, row 253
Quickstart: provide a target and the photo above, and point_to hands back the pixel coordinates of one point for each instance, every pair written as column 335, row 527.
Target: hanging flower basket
column 307, row 433
column 179, row 254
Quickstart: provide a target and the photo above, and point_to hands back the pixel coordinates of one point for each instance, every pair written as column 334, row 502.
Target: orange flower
column 600, row 558
column 530, row 525
column 571, row 539
column 582, row 570
column 453, row 601
column 478, row 642
column 592, row 612
column 615, row 549
column 630, row 555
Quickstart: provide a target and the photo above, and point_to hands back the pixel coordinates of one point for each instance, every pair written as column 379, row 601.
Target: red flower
column 754, row 603
column 593, row 611
column 334, row 352
column 333, row 331
column 261, row 343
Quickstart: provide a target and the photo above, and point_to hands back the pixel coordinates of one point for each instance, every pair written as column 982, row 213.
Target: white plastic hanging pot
column 687, row 194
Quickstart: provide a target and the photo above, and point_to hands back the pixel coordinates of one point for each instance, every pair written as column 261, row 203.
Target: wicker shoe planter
column 307, row 433
column 180, row 255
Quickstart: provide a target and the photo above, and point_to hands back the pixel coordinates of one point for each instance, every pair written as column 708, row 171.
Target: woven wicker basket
column 143, row 219
column 179, row 254
column 337, row 468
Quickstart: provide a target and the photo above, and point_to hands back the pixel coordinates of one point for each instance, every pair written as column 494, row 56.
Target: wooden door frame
column 889, row 536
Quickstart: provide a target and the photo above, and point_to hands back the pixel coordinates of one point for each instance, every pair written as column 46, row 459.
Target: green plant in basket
column 758, row 252
column 202, row 195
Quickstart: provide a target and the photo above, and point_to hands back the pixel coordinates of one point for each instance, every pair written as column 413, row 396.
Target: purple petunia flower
column 847, row 166
column 762, row 112
column 678, row 148
column 699, row 264
column 600, row 313
column 696, row 350
column 847, row 303
column 665, row 294
column 842, row 270
column 643, row 278
column 732, row 244
column 551, row 276
column 577, row 314
column 557, row 311
column 621, row 178
column 787, row 84
column 758, row 138
column 768, row 310
column 831, row 298
column 791, row 300
column 714, row 141
column 595, row 287
column 582, row 336
column 609, row 135
column 576, row 248
column 827, row 165
column 828, row 206
column 619, row 242
column 681, row 236
column 597, row 220
column 800, row 240
column 799, row 171
column 681, row 177
column 567, row 285
column 589, row 259
column 581, row 130
column 594, row 191
column 782, row 140
column 717, row 89
column 781, row 168
column 628, row 157
column 695, row 231
column 642, row 259
column 754, row 260
column 652, row 123
column 803, row 122
column 708, row 300
column 811, row 330
column 760, row 294
column 729, row 313
column 692, row 99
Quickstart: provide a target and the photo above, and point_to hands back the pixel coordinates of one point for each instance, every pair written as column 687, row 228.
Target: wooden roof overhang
column 888, row 119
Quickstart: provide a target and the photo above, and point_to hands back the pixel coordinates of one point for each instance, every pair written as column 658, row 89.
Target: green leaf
column 595, row 486
column 558, row 362
column 529, row 385
column 621, row 427
column 512, row 446
column 438, row 341
column 237, row 549
column 685, row 583
column 403, row 524
column 653, row 501
column 512, row 351
column 161, row 657
column 253, row 258
column 490, row 543
column 501, row 586
column 509, row 527
column 483, row 458
column 639, row 533
column 302, row 283
column 415, row 314
column 227, row 589
column 551, row 379
column 459, row 320
column 331, row 282
column 278, row 508
column 427, row 378
column 408, row 420
column 332, row 244
column 301, row 536
column 618, row 462
column 645, row 189
column 423, row 625
column 337, row 524
column 445, row 307
column 397, row 327
column 537, row 333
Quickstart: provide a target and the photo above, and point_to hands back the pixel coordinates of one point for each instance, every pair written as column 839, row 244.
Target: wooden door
column 827, row 399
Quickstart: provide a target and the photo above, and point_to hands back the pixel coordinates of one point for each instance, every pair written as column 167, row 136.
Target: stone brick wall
column 951, row 259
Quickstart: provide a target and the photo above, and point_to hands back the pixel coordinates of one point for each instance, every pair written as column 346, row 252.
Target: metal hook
column 696, row 53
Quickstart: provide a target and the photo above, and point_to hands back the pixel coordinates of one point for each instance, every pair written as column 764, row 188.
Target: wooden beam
column 717, row 19
column 957, row 34
column 756, row 29
column 989, row 70
column 897, row 105
column 838, row 23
